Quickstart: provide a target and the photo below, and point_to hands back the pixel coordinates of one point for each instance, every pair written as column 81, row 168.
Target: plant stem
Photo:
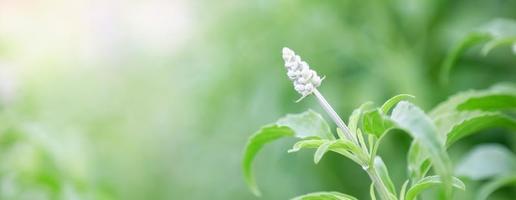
column 371, row 171
column 333, row 115
column 378, row 183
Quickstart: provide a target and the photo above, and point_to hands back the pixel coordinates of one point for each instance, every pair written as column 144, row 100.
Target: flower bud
column 305, row 80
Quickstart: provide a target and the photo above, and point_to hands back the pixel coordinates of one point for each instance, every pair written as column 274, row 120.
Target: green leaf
column 386, row 107
column 382, row 171
column 354, row 118
column 343, row 147
column 254, row 145
column 415, row 159
column 502, row 32
column 307, row 125
column 403, row 190
column 371, row 192
column 487, row 161
column 430, row 181
column 310, row 143
column 463, row 114
column 497, row 32
column 498, row 97
column 325, row 196
column 490, row 187
column 458, row 49
column 376, row 123
column 319, row 153
column 416, row 123
column 457, row 125
column 496, row 43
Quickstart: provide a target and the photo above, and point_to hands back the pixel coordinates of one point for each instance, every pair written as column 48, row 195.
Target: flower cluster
column 305, row 80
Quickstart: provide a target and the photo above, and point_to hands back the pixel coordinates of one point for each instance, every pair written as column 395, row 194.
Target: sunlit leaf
column 307, row 124
column 382, row 171
column 428, row 182
column 486, row 161
column 416, row 123
column 255, row 144
column 325, row 196
column 304, row 125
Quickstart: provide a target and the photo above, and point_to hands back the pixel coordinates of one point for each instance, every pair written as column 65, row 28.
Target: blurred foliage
column 111, row 100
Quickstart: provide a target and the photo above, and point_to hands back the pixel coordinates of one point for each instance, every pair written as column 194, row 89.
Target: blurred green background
column 155, row 99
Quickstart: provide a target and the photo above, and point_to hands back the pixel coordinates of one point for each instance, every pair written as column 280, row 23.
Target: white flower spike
column 305, row 80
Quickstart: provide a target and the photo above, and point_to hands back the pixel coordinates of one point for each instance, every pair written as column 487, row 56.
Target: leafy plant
column 359, row 140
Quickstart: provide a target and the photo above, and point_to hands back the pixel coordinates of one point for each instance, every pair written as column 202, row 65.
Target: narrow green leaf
column 418, row 162
column 325, row 196
column 457, row 125
column 494, row 102
column 487, row 161
column 361, row 141
column 490, row 187
column 372, row 144
column 342, row 147
column 416, row 123
column 255, row 144
column 404, row 190
column 430, row 181
column 495, row 98
column 382, row 171
column 319, row 153
column 310, row 144
column 371, row 192
column 386, row 107
column 348, row 149
column 415, row 159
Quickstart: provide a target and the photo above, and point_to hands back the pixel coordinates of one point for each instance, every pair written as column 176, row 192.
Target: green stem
column 378, row 184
